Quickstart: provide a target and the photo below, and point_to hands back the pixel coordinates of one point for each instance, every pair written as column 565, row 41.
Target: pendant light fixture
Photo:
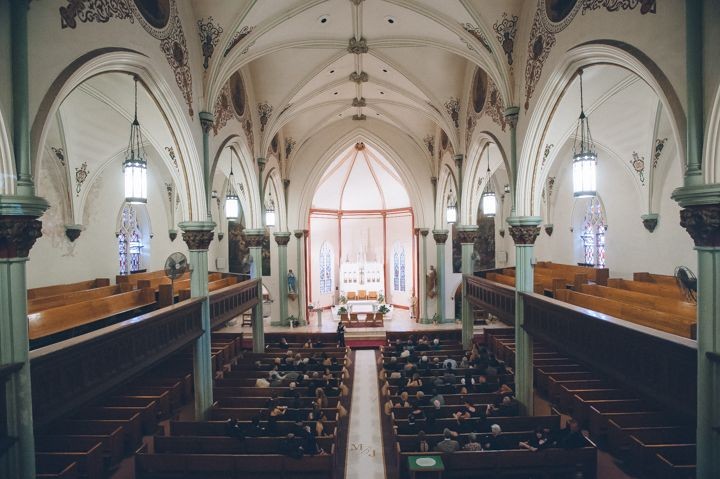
column 489, row 202
column 584, row 156
column 270, row 211
column 232, row 201
column 451, row 209
column 135, row 165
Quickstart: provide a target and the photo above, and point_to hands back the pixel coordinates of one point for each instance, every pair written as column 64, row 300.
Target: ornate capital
column 198, row 240
column 424, row 232
column 524, row 234
column 440, row 236
column 549, row 229
column 299, row 233
column 254, row 238
column 172, row 234
column 207, row 120
column 18, row 235
column 282, row 239
column 511, row 116
column 261, row 163
column 73, row 232
column 467, row 234
column 702, row 222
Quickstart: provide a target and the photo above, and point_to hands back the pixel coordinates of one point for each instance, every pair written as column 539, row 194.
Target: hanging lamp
column 489, row 201
column 270, row 211
column 451, row 209
column 584, row 157
column 135, row 165
column 232, row 201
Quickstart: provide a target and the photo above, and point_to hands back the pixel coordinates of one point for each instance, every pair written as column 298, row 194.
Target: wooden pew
column 597, row 275
column 47, row 302
column 669, row 323
column 510, row 281
column 37, row 293
column 135, row 277
column 675, row 462
column 659, row 303
column 656, row 289
column 645, row 444
column 56, row 320
column 665, row 279
column 55, row 467
column 86, row 452
column 184, row 294
column 111, row 436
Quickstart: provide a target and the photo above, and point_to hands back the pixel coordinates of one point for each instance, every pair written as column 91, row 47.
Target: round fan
column 687, row 282
column 176, row 265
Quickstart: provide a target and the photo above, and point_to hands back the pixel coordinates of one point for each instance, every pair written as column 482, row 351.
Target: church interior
column 359, row 239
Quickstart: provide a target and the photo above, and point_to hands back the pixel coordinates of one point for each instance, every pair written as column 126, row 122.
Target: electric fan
column 176, row 265
column 687, row 282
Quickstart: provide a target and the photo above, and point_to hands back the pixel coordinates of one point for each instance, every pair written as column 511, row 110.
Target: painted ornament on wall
column 479, row 35
column 264, row 112
column 59, row 154
column 222, row 110
column 209, row 33
column 289, row 146
column 429, row 141
column 659, row 146
column 546, row 153
column 452, row 106
column 237, row 38
column 171, row 153
column 505, row 30
column 638, row 164
column 81, row 174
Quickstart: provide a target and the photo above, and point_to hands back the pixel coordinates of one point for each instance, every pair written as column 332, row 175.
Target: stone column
column 198, row 235
column 17, row 237
column 206, row 122
column 423, row 315
column 467, row 235
column 261, row 186
column 511, row 117
column 300, row 275
column 524, row 230
column 282, row 239
column 441, row 237
column 254, row 240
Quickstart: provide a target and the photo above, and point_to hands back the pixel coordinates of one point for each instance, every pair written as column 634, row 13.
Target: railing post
column 467, row 235
column 255, row 240
column 198, row 235
column 524, row 230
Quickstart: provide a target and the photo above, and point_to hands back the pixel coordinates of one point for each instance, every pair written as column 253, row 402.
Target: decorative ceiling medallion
column 155, row 16
column 359, row 102
column 638, row 164
column 479, row 90
column 360, row 117
column 237, row 94
column 505, row 31
column 356, row 77
column 557, row 14
column 176, row 53
column 264, row 112
column 87, row 11
column 541, row 42
column 81, row 174
column 237, row 38
column 223, row 110
column 357, row 46
column 209, row 37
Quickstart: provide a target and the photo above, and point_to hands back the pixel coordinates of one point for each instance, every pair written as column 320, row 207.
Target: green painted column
column 700, row 216
column 467, row 235
column 282, row 239
column 198, row 235
column 459, row 166
column 261, row 185
column 423, row 315
column 254, row 240
column 300, row 275
column 524, row 230
column 694, row 78
column 440, row 237
column 511, row 118
column 206, row 122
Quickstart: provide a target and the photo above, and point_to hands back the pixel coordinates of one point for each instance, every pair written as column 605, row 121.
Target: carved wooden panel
column 228, row 303
column 496, row 298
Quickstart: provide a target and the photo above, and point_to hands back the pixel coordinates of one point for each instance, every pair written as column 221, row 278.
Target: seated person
column 472, row 444
column 292, row 446
column 308, row 344
column 450, row 363
column 508, row 406
column 571, row 437
column 538, row 441
column 482, row 386
column 423, row 445
column 467, row 411
column 284, row 344
column 310, row 445
column 403, row 402
column 495, row 441
column 318, row 344
column 421, row 400
column 414, row 381
column 437, row 396
column 449, row 443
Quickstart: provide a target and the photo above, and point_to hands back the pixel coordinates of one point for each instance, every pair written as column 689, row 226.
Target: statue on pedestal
column 292, row 282
column 413, row 305
column 431, row 280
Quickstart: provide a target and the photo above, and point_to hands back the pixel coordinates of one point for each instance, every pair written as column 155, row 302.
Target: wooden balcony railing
column 496, row 298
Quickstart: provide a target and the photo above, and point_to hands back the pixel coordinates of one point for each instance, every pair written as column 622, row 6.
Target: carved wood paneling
column 659, row 365
column 228, row 303
column 497, row 299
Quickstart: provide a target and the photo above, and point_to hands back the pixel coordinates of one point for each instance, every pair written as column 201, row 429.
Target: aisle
column 365, row 447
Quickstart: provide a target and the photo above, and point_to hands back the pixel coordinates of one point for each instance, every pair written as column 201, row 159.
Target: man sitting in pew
column 448, row 444
column 472, row 444
column 508, row 406
column 482, row 386
column 571, row 437
column 495, row 441
column 539, row 440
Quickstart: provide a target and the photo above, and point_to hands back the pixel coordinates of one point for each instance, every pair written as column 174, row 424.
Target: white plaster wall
column 55, row 260
column 321, row 230
column 399, row 231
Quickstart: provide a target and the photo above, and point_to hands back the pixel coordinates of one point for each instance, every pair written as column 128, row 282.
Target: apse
column 361, row 230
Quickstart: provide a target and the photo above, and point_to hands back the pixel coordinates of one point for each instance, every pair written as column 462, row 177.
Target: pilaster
column 467, row 234
column 440, row 237
column 207, row 120
column 282, row 239
column 423, row 315
column 524, row 231
column 254, row 239
column 302, row 307
column 198, row 235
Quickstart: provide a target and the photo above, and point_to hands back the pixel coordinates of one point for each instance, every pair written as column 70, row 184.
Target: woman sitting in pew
column 321, row 398
column 308, row 344
column 467, row 411
column 472, row 444
column 414, row 382
column 538, row 441
column 284, row 344
column 423, row 445
column 403, row 402
column 508, row 406
column 320, row 424
column 467, row 383
column 274, row 415
column 495, row 441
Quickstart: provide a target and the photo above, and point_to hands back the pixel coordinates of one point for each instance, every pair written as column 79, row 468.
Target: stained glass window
column 593, row 234
column 399, row 268
column 129, row 241
column 325, row 269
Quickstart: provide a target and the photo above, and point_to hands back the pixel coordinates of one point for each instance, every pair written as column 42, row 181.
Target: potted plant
column 293, row 321
column 384, row 309
column 342, row 310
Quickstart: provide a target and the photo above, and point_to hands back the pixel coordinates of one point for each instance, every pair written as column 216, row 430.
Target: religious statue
column 292, row 282
column 431, row 280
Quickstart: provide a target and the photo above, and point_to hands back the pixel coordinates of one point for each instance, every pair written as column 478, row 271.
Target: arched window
column 399, row 268
column 129, row 241
column 326, row 268
column 593, row 233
